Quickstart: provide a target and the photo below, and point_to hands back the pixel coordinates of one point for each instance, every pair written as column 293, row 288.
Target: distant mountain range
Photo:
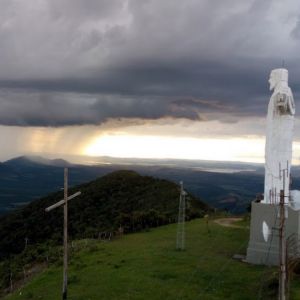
column 225, row 185
column 24, row 179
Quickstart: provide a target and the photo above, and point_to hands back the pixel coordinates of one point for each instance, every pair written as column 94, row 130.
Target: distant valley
column 224, row 185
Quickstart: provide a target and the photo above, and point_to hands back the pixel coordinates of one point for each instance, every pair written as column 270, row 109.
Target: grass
column 147, row 266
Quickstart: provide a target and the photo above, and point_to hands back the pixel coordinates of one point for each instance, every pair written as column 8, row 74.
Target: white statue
column 279, row 137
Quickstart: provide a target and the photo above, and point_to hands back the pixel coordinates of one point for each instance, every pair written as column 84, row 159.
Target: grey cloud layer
column 58, row 109
column 83, row 62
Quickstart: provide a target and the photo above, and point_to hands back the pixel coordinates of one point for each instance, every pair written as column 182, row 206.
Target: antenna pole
column 180, row 243
column 282, row 248
column 65, row 282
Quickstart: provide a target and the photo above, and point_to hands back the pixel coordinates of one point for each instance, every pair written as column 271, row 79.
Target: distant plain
column 224, row 185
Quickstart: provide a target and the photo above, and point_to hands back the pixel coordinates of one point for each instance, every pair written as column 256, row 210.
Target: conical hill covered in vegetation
column 122, row 199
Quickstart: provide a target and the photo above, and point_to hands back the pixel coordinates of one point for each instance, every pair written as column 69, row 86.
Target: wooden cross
column 64, row 202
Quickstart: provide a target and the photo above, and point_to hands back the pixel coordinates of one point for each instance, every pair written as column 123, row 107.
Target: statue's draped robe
column 279, row 138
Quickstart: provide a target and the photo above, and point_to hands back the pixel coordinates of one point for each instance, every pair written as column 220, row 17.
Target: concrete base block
column 263, row 247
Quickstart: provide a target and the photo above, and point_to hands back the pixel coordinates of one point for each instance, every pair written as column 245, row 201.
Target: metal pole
column 65, row 271
column 183, row 218
column 178, row 240
column 180, row 243
column 282, row 256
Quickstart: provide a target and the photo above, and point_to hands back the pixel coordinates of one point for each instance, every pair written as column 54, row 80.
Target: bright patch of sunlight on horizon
column 135, row 146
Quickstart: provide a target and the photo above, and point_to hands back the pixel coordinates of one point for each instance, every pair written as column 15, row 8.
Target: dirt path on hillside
column 229, row 222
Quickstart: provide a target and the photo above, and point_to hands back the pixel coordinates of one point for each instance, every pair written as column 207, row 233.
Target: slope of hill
column 34, row 161
column 121, row 198
column 146, row 266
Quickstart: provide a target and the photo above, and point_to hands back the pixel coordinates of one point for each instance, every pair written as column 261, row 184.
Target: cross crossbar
column 61, row 202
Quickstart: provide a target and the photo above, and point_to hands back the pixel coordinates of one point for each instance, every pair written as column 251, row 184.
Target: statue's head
column 277, row 76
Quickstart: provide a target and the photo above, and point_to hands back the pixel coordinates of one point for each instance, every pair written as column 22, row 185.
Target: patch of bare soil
column 229, row 222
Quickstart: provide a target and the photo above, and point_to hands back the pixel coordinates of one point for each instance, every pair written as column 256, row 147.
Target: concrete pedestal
column 263, row 247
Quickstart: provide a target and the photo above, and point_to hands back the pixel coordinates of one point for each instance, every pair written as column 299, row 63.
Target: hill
column 147, row 266
column 34, row 161
column 122, row 198
column 223, row 185
column 25, row 179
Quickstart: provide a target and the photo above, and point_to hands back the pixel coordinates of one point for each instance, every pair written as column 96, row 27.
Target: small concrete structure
column 263, row 247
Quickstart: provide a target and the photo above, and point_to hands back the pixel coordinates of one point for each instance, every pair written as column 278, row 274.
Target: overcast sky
column 195, row 68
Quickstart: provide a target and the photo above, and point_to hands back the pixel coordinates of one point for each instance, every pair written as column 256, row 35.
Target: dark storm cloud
column 84, row 62
column 58, row 109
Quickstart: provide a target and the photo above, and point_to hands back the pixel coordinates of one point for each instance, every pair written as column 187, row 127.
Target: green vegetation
column 121, row 199
column 147, row 266
column 141, row 265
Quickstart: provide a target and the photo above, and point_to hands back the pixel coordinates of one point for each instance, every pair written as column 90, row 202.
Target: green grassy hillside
column 121, row 198
column 147, row 266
